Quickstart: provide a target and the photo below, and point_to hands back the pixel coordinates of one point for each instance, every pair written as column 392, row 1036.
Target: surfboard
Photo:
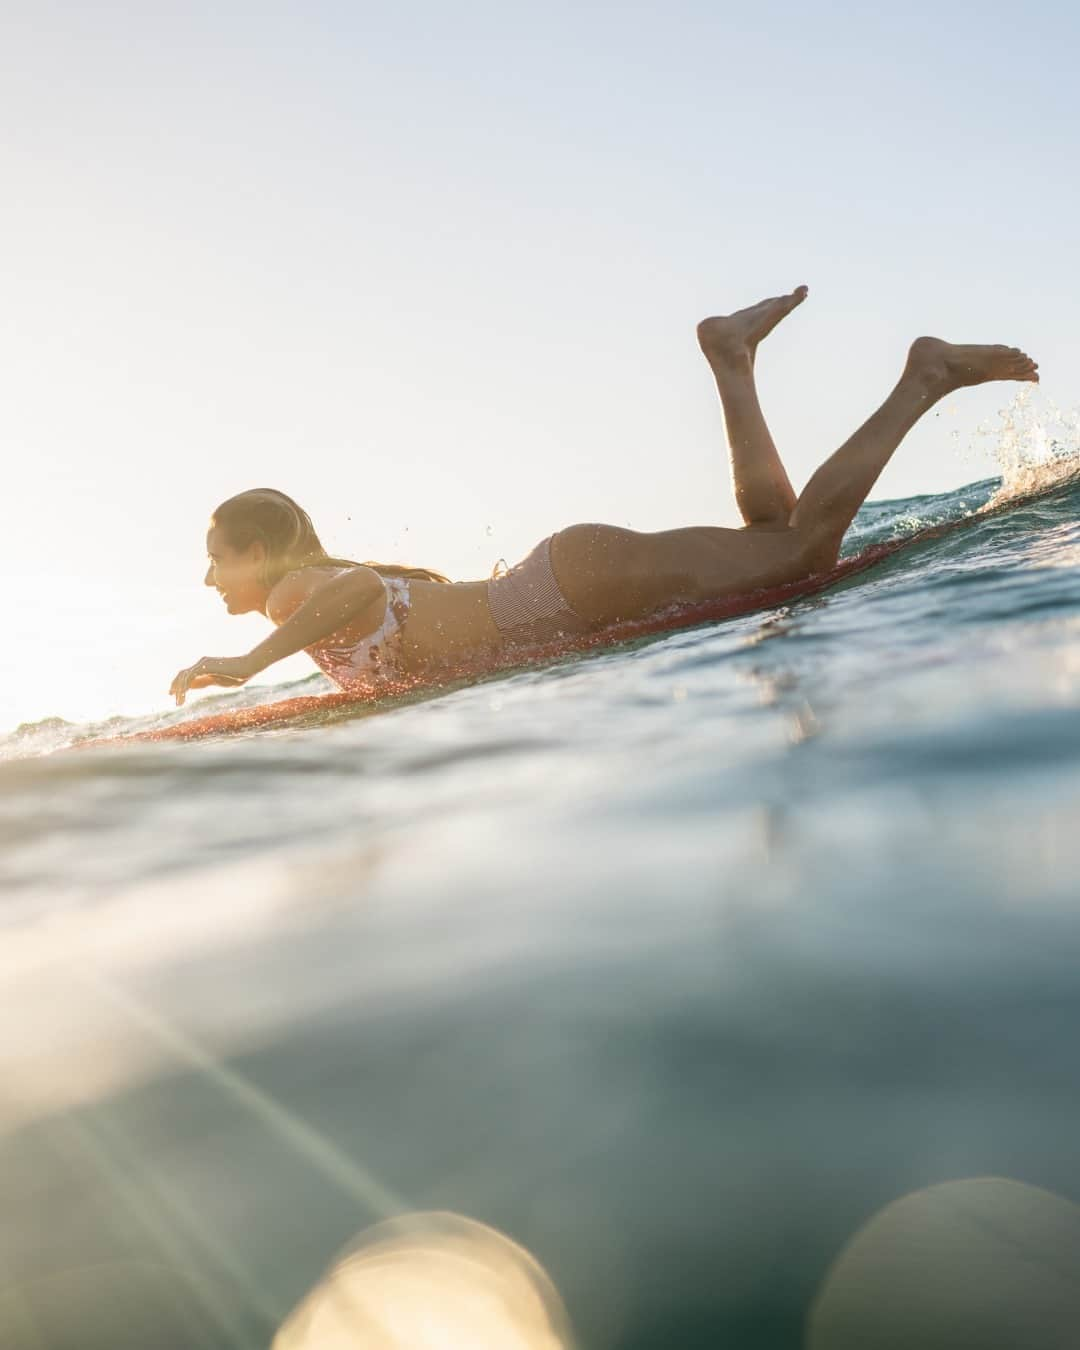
column 319, row 709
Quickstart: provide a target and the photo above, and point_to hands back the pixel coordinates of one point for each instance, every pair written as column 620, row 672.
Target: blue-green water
column 675, row 963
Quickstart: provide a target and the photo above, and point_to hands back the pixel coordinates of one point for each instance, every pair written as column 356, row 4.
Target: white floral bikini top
column 373, row 658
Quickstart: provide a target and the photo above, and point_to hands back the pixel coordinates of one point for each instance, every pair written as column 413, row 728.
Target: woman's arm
column 306, row 613
column 307, row 609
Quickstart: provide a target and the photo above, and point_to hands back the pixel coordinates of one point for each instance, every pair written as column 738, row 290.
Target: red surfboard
column 314, row 709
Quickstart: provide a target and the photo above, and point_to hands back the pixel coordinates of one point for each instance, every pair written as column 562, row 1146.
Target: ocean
column 677, row 964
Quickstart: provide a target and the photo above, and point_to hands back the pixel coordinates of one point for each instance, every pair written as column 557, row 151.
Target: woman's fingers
column 183, row 681
column 206, row 671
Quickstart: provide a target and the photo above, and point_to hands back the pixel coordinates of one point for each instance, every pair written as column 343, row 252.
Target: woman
column 368, row 625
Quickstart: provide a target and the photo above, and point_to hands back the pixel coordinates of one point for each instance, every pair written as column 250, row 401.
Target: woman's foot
column 732, row 339
column 943, row 366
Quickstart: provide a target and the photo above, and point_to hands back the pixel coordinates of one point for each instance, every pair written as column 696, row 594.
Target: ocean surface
column 674, row 963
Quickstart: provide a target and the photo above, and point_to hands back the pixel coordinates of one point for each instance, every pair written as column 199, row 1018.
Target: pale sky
column 434, row 270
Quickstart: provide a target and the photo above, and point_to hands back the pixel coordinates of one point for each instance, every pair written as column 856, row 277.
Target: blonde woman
column 368, row 624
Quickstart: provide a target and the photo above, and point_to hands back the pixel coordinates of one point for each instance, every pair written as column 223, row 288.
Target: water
column 675, row 963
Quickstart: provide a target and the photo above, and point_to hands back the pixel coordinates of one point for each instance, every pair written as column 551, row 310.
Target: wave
column 901, row 530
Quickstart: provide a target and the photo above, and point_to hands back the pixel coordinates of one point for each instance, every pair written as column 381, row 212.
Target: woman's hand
column 226, row 670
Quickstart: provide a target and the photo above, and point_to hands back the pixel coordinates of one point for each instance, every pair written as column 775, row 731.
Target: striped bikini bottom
column 527, row 605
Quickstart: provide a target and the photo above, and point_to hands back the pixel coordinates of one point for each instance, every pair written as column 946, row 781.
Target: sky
column 434, row 270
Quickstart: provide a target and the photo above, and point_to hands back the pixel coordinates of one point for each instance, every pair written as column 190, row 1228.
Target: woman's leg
column 828, row 503
column 763, row 491
column 608, row 573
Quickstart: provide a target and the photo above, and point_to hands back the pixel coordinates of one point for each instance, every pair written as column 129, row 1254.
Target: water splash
column 1036, row 445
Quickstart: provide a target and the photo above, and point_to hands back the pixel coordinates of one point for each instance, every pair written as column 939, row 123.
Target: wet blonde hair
column 285, row 530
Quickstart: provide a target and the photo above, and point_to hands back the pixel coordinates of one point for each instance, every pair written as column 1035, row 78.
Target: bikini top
column 363, row 663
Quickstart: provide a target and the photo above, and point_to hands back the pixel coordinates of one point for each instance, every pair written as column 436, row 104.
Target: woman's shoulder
column 302, row 583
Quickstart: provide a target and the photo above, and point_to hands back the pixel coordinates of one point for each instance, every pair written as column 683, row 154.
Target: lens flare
column 431, row 1282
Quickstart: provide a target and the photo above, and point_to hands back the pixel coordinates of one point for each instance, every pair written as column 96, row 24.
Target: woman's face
column 237, row 574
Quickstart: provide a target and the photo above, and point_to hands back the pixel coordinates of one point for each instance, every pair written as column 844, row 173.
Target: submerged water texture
column 674, row 962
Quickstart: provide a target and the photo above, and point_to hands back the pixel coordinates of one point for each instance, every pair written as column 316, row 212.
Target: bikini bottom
column 527, row 605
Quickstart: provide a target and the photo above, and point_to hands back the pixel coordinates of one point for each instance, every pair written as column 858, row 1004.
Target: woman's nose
column 208, row 580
